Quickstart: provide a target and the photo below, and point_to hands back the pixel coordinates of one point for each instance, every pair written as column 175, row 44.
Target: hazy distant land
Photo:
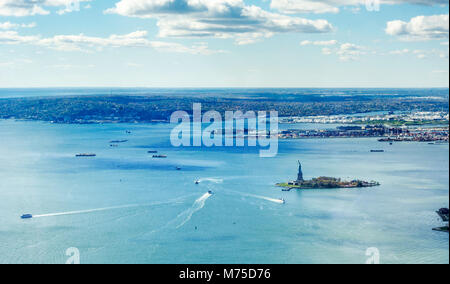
column 148, row 108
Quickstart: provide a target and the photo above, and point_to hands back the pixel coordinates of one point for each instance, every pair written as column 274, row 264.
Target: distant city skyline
column 224, row 43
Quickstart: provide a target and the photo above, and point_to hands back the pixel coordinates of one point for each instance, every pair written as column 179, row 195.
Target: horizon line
column 137, row 87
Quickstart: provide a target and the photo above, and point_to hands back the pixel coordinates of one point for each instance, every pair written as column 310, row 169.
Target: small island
column 323, row 183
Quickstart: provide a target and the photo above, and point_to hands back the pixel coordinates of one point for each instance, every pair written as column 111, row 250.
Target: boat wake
column 107, row 209
column 274, row 200
column 186, row 216
column 213, row 180
column 279, row 201
column 85, row 211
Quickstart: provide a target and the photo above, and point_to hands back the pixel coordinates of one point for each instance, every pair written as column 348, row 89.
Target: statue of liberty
column 300, row 173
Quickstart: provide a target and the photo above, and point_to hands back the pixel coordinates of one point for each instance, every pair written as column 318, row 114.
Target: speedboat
column 85, row 155
column 283, row 201
column 159, row 156
column 197, row 182
column 210, row 192
column 27, row 216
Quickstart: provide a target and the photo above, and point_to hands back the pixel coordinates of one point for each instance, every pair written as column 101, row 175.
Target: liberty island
column 323, row 182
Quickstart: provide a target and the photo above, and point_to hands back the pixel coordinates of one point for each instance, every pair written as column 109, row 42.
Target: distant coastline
column 146, row 108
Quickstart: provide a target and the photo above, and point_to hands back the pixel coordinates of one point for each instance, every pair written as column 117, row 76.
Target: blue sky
column 223, row 43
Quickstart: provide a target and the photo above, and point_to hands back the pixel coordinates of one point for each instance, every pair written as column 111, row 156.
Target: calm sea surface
column 145, row 211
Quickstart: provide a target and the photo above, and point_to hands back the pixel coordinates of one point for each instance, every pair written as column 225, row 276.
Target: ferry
column 85, row 155
column 27, row 216
column 159, row 156
column 118, row 141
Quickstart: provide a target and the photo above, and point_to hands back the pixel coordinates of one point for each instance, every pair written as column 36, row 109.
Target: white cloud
column 16, row 63
column 421, row 54
column 309, row 6
column 420, row 28
column 13, row 37
column 327, row 51
column 319, row 43
column 11, row 26
column 216, row 18
column 400, row 52
column 89, row 44
column 22, row 8
column 346, row 51
column 71, row 66
column 349, row 51
column 333, row 6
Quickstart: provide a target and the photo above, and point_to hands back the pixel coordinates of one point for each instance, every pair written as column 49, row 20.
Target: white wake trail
column 108, row 208
column 85, row 211
column 279, row 201
column 197, row 206
column 213, row 180
column 274, row 200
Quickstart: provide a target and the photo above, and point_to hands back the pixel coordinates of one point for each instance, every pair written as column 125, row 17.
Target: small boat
column 152, row 152
column 210, row 192
column 377, row 151
column 159, row 156
column 27, row 216
column 118, row 141
column 283, row 201
column 197, row 182
column 178, row 168
column 85, row 155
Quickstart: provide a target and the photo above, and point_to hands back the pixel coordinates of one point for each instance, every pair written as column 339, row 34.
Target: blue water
column 152, row 213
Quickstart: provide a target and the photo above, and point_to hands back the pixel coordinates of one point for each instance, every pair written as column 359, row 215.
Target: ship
column 85, row 155
column 118, row 141
column 26, row 216
column 159, row 156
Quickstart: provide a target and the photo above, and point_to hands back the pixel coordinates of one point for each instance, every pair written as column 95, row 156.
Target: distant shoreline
column 158, row 108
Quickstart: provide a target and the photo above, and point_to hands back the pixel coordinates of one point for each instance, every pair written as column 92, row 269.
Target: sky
column 224, row 43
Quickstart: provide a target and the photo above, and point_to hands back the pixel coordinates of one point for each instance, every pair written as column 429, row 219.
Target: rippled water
column 129, row 208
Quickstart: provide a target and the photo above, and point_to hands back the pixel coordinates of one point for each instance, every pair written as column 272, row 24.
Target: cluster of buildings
column 342, row 131
column 368, row 119
column 387, row 134
column 438, row 134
